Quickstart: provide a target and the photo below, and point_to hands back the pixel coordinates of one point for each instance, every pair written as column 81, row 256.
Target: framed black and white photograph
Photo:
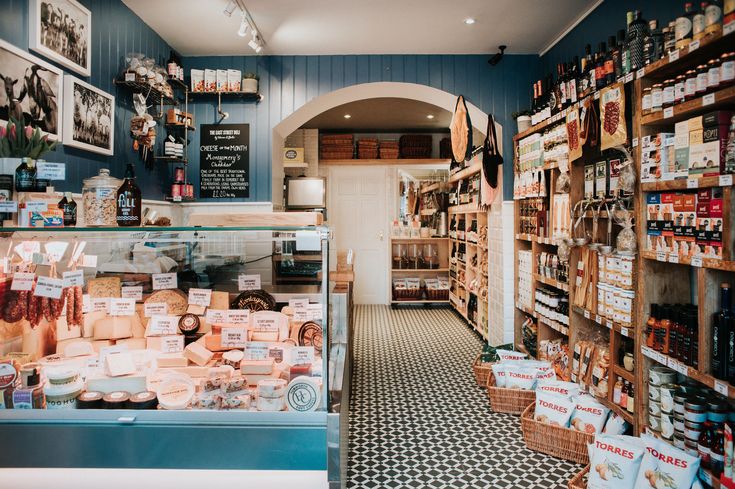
column 89, row 117
column 61, row 30
column 30, row 90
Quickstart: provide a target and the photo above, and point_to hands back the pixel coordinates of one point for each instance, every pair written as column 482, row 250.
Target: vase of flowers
column 17, row 142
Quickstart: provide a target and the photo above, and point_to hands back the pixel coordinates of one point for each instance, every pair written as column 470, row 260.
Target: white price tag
column 624, row 332
column 200, row 297
column 40, row 259
column 635, row 142
column 694, row 45
column 163, row 325
column 296, row 304
column 728, row 28
column 725, row 180
column 9, row 206
column 629, row 77
column 696, row 261
column 172, row 344
column 598, row 319
column 86, row 303
column 640, row 73
column 248, row 282
column 122, row 307
column 163, row 281
column 721, row 387
column 100, row 304
column 73, row 278
column 301, row 355
column 217, row 316
column 668, row 112
column 708, row 99
column 256, row 351
column 609, row 324
column 673, row 55
column 50, row 171
column 89, row 261
column 176, row 198
column 23, row 281
column 238, row 316
column 129, row 77
column 648, row 352
column 586, row 314
column 301, row 315
column 49, row 287
column 155, row 309
column 680, row 367
column 661, row 255
column 36, row 206
column 673, row 258
column 234, row 337
column 132, row 292
column 315, row 312
column 596, row 96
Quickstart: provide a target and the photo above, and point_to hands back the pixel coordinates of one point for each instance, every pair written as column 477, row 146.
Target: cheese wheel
column 104, row 287
column 176, row 301
column 270, row 403
column 272, row 388
column 303, row 394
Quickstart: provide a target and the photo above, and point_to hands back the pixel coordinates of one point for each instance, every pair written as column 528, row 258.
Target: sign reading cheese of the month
column 224, row 161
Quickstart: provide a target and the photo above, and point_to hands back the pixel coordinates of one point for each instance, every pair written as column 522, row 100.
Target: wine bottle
column 129, row 200
column 720, row 336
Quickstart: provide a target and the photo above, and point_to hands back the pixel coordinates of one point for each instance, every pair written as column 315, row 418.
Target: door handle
column 380, row 235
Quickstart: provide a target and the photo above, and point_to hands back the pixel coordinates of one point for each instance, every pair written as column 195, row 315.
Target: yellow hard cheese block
column 257, row 367
column 198, row 354
column 118, row 364
column 220, row 300
column 132, row 343
column 113, row 328
column 169, row 360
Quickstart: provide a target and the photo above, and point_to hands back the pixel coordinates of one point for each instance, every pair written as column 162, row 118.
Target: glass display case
column 163, row 348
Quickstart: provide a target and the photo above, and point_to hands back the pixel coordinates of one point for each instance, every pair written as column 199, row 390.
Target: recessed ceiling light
column 347, row 116
column 469, row 21
column 430, row 116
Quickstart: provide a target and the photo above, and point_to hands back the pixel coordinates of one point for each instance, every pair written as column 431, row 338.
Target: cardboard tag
column 72, row 279
column 301, row 355
column 172, row 344
column 133, row 292
column 163, row 325
column 200, row 297
column 36, row 206
column 586, row 314
column 725, row 180
column 315, row 312
column 238, row 316
column 696, row 261
column 50, row 171
column 673, row 55
column 721, row 387
column 692, row 183
column 296, row 304
column 248, row 282
column 8, row 206
column 629, row 77
column 155, row 309
column 49, row 287
column 668, row 112
column 86, row 303
column 217, row 316
column 673, row 258
column 101, row 304
column 234, row 337
column 256, row 351
column 609, row 324
column 23, row 281
column 635, row 142
column 122, row 307
column 708, row 99
column 162, row 281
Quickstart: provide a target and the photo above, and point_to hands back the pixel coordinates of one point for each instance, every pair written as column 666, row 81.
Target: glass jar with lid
column 646, row 102
column 727, row 69
column 668, row 93
column 657, row 97
column 702, row 79
column 713, row 74
column 99, row 199
column 679, row 89
column 690, row 85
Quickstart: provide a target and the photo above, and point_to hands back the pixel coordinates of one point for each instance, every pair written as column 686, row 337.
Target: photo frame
column 61, row 30
column 89, row 117
column 32, row 89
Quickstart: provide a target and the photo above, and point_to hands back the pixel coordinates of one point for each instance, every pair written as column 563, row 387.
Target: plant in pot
column 250, row 83
column 523, row 119
column 18, row 142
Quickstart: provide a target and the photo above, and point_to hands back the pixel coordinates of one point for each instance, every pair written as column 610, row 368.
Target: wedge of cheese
column 113, row 328
column 118, row 364
column 198, row 354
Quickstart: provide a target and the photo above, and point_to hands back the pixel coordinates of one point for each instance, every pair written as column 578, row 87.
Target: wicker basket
column 512, row 401
column 558, row 442
column 579, row 481
column 482, row 371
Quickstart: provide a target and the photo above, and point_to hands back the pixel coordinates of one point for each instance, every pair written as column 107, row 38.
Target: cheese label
column 122, row 307
column 256, row 351
column 172, row 344
column 301, row 355
column 261, row 323
column 238, row 316
column 72, row 279
column 721, row 387
column 248, row 282
column 314, row 311
column 162, row 281
column 217, row 316
column 100, row 304
column 49, row 287
column 200, row 297
column 86, row 304
column 234, row 337
column 297, row 304
column 163, row 325
column 8, row 206
column 23, row 281
column 132, row 292
column 89, row 261
column 111, row 350
column 36, row 206
column 155, row 309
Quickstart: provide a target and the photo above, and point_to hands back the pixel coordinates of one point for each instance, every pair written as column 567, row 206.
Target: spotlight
column 258, row 49
column 230, row 8
column 253, row 44
column 469, row 21
column 243, row 30
column 497, row 56
column 347, row 116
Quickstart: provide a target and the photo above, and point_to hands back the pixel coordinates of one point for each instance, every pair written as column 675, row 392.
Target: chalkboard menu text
column 224, row 161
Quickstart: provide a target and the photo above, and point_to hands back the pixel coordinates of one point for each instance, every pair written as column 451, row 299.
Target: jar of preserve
column 702, row 79
column 668, row 93
column 727, row 69
column 646, row 102
column 717, row 411
column 713, row 75
column 704, row 444
column 657, row 97
column 679, row 89
column 695, row 409
column 690, row 85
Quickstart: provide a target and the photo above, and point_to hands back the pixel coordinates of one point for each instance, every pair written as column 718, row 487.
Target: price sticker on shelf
column 721, row 387
column 609, row 324
column 635, row 142
column 725, row 180
column 673, row 258
column 122, row 307
column 598, row 319
column 163, row 325
column 629, row 77
column 661, row 256
column 696, row 261
column 9, row 206
column 134, row 292
column 72, row 279
column 728, row 28
column 22, row 281
column 49, row 287
column 248, row 282
column 200, row 297
column 647, row 352
column 673, row 55
column 586, row 314
column 234, row 337
column 668, row 112
column 640, row 73
column 694, row 45
column 625, row 332
column 162, row 281
column 708, row 99
column 596, row 96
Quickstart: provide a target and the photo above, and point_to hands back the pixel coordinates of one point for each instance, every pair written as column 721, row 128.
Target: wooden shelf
column 691, row 184
column 180, row 126
column 291, row 164
column 728, row 266
column 526, row 311
column 463, row 208
column 419, row 270
column 621, row 372
column 399, row 161
column 534, row 238
column 244, row 96
column 430, row 188
column 720, row 386
column 626, row 331
column 466, row 172
column 685, row 110
column 558, row 327
column 551, row 282
column 419, row 240
column 623, row 413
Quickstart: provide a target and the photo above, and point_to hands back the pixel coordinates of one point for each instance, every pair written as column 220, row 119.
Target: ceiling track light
column 230, row 8
column 244, row 26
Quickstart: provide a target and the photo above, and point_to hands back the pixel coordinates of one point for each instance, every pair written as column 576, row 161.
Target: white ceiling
column 385, row 114
column 291, row 27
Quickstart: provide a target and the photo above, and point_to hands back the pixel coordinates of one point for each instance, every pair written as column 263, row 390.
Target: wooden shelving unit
column 399, row 161
column 412, row 246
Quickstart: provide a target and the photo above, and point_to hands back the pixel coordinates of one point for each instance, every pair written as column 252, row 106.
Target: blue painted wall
column 288, row 82
column 116, row 30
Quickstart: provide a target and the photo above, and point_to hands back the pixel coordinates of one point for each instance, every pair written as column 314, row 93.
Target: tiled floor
column 417, row 417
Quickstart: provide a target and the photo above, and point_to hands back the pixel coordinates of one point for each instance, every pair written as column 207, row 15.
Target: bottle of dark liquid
column 573, row 82
column 610, row 61
column 617, row 54
column 559, row 89
column 25, row 176
column 592, row 74
column 129, row 200
column 720, row 335
column 600, row 77
column 625, row 55
column 584, row 73
column 69, row 208
column 637, row 31
column 684, row 26
column 731, row 350
column 717, row 453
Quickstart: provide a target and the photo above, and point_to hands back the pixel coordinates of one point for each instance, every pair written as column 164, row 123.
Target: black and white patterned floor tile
column 418, row 418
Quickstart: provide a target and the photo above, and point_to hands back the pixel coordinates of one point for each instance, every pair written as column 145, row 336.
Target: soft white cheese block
column 128, row 383
column 168, row 360
column 257, row 367
column 132, row 343
column 198, row 354
column 62, row 345
column 64, row 332
column 98, row 344
column 113, row 328
column 77, row 348
column 254, row 379
column 272, row 388
column 117, row 364
column 90, row 319
column 157, row 342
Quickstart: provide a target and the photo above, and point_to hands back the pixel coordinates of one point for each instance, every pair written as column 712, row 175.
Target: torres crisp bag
column 552, row 409
column 614, row 462
column 666, row 467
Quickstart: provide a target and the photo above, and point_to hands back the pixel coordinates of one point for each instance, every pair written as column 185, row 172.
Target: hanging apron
column 461, row 131
column 491, row 161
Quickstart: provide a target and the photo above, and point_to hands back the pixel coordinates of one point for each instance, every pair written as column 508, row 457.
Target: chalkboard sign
column 224, row 161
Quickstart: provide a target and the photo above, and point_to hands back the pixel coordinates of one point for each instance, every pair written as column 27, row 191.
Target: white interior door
column 357, row 214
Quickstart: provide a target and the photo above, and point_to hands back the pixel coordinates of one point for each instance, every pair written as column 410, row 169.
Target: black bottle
column 69, row 208
column 129, row 200
column 25, row 176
